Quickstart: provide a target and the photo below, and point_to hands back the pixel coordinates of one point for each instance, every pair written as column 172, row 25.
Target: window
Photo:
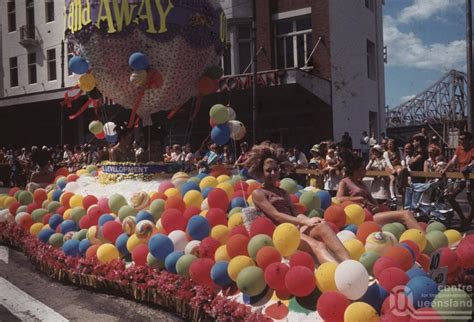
column 32, row 68
column 30, row 19
column 245, row 48
column 371, row 71
column 13, row 71
column 293, row 41
column 11, row 16
column 51, row 56
column 49, row 10
column 226, row 61
column 369, row 4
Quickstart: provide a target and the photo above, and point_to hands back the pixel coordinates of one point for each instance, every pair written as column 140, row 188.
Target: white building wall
column 353, row 93
column 50, row 35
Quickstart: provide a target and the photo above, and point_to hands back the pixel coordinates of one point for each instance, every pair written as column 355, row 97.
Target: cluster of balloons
column 143, row 76
column 224, row 126
column 80, row 66
column 104, row 131
column 193, row 227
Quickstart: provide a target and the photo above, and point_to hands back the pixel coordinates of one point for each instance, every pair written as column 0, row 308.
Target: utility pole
column 61, row 126
column 254, row 72
column 470, row 84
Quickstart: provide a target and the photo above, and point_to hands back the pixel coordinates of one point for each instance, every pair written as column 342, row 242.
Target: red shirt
column 463, row 157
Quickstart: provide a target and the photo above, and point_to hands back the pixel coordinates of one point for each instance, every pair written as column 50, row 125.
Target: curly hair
column 257, row 156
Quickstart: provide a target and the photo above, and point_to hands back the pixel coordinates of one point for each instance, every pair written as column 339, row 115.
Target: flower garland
column 142, row 283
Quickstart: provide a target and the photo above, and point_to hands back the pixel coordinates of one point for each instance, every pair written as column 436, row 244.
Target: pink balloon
column 165, row 185
column 103, row 204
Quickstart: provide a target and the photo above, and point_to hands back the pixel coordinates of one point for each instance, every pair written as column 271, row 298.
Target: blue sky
column 425, row 39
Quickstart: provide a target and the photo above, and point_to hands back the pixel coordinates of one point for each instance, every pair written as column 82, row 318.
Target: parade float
column 183, row 242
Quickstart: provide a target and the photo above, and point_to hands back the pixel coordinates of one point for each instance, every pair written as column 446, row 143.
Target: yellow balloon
column 360, row 312
column 355, row 214
column 416, row 236
column 107, row 253
column 223, row 178
column 9, row 201
column 250, row 201
column 237, row 264
column 87, row 82
column 286, row 239
column 80, row 172
column 36, row 228
column 93, row 236
column 208, row 181
column 221, row 254
column 325, row 277
column 2, row 199
column 235, row 220
column 250, row 181
column 193, row 198
column 227, row 187
column 67, row 214
column 172, row 192
column 133, row 241
column 220, row 233
column 453, row 236
column 45, row 227
column 76, row 201
column 204, row 212
column 355, row 248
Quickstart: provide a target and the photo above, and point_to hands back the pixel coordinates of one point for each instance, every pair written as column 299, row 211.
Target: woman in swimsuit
column 317, row 237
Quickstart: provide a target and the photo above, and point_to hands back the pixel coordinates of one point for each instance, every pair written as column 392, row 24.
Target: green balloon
column 38, row 214
column 17, row 194
column 56, row 240
column 116, row 201
column 91, row 168
column 436, row 226
column 96, row 127
column 183, row 264
column 126, row 211
column 453, row 302
column 257, row 242
column 80, row 235
column 400, row 226
column 368, row 259
column 25, row 197
column 250, row 281
column 219, row 113
column 310, row 201
column 289, row 185
column 156, row 208
column 234, row 210
column 434, row 240
column 196, row 180
column 394, row 229
column 21, row 209
column 53, row 206
column 77, row 213
column 154, row 262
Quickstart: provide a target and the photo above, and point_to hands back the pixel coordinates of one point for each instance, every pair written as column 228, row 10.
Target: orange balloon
column 401, row 255
column 365, row 229
column 336, row 215
column 62, row 172
column 92, row 251
column 65, row 199
column 158, row 195
column 175, row 203
column 40, row 195
column 237, row 245
column 424, row 261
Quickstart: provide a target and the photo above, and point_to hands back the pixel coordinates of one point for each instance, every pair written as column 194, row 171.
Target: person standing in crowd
column 122, row 151
column 346, row 140
column 317, row 162
column 365, row 146
column 189, row 159
column 420, row 154
column 44, row 175
column 431, row 164
column 15, row 169
column 393, row 159
column 214, row 156
column 228, row 156
column 372, row 140
column 298, row 158
column 139, row 152
column 332, row 171
column 379, row 188
column 244, row 151
column 435, row 141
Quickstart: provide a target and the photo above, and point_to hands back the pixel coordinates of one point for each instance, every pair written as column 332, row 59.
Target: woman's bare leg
column 324, row 232
column 392, row 187
column 402, row 216
column 317, row 248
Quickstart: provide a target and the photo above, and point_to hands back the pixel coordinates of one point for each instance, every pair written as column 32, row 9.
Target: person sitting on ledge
column 122, row 151
column 317, row 237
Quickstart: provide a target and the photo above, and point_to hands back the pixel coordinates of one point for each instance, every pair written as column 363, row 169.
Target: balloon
column 286, row 239
column 36, row 228
column 55, row 220
column 355, row 248
column 216, row 216
column 237, row 264
column 67, row 226
column 198, row 227
column 360, row 312
column 351, row 279
column 250, row 281
column 237, row 245
column 465, row 253
column 126, row 211
column 379, row 242
column 262, row 225
column 365, row 229
column 219, row 274
column 219, row 113
column 422, row 290
column 416, row 236
column 96, row 127
column 139, row 255
column 287, row 184
column 160, row 246
column 156, row 208
column 256, row 243
column 104, row 218
column 331, row 306
column 300, row 281
column 402, row 256
column 453, row 236
column 208, row 181
column 109, row 128
column 92, row 251
column 25, row 197
column 193, row 198
column 266, row 256
column 56, row 240
column 200, row 271
column 77, row 213
column 172, row 219
column 208, row 247
column 121, row 243
column 300, row 258
column 368, row 259
column 220, row 134
column 392, row 277
column 383, row 263
column 325, row 275
column 336, row 215
column 107, row 253
column 355, row 214
column 87, row 82
column 220, row 233
column 221, row 254
column 237, row 130
column 78, row 65
column 179, row 239
column 435, row 239
column 171, row 260
column 275, row 274
column 84, row 245
column 436, row 225
column 183, row 264
column 115, row 202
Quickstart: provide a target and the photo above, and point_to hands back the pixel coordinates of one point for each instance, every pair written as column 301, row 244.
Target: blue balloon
column 422, row 290
column 138, row 61
column 244, row 172
column 44, row 234
column 78, row 65
column 57, row 194
column 105, row 218
column 160, row 246
column 238, row 202
column 300, row 188
column 198, row 227
column 220, row 134
column 415, row 272
column 188, row 186
column 67, row 226
column 61, row 183
column 170, row 261
column 83, row 246
column 71, row 247
column 325, row 198
column 206, row 191
column 121, row 243
column 55, row 220
column 375, row 295
column 111, row 138
column 352, row 228
column 202, row 175
column 219, row 274
column 298, row 194
column 144, row 215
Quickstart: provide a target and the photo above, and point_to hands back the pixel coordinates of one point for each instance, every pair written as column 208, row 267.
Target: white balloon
column 351, row 279
column 204, row 205
column 231, row 113
column 19, row 216
column 344, row 235
column 237, row 130
column 139, row 77
column 109, row 128
column 72, row 187
column 5, row 216
column 179, row 239
column 192, row 247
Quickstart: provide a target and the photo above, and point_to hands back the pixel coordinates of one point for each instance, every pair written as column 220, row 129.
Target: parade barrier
column 419, row 174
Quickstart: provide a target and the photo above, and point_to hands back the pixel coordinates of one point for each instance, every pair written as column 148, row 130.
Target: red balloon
column 391, row 312
column 31, row 207
column 100, row 136
column 266, row 256
column 423, row 225
column 111, row 230
column 61, row 210
column 239, row 193
column 368, row 215
column 424, row 261
column 62, row 172
column 72, row 177
column 413, row 246
column 392, row 277
column 208, row 247
column 173, row 219
column 237, row 245
column 212, row 123
column 14, row 207
column 294, row 199
column 238, row 230
column 241, row 185
column 175, row 203
column 402, row 256
column 218, row 198
column 94, row 214
column 423, row 313
column 300, row 281
column 275, row 274
column 45, row 219
column 300, row 208
column 139, row 254
column 85, row 222
column 262, row 225
column 216, row 216
column 39, row 196
column 165, row 185
column 158, row 195
column 383, row 263
column 88, row 201
column 300, row 258
column 277, row 311
column 465, row 252
column 26, row 222
column 331, row 306
column 449, row 259
column 92, row 251
column 12, row 191
column 200, row 271
column 336, row 215
column 365, row 229
column 191, row 211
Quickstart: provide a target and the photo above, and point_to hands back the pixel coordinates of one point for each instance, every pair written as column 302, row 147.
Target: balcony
column 28, row 36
